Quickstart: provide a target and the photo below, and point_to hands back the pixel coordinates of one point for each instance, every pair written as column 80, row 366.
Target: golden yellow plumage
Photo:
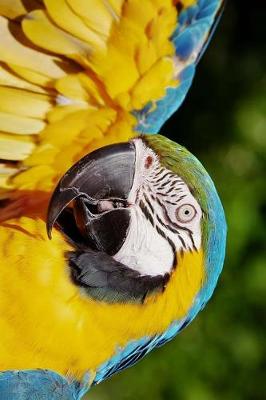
column 95, row 61
column 72, row 75
column 60, row 329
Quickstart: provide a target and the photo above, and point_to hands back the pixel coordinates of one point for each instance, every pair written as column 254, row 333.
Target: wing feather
column 75, row 75
column 16, row 8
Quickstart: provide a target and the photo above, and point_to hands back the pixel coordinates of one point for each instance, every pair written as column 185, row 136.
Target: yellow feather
column 16, row 8
column 144, row 90
column 14, row 52
column 41, row 177
column 95, row 89
column 32, row 76
column 7, row 78
column 71, row 86
column 126, row 72
column 51, row 144
column 114, row 6
column 66, row 19
column 120, row 57
column 24, row 103
column 96, row 124
column 160, row 29
column 60, row 112
column 40, row 30
column 15, row 147
column 12, row 9
column 68, row 129
column 140, row 12
column 59, row 317
column 95, row 15
column 21, row 125
column 146, row 56
column 6, row 172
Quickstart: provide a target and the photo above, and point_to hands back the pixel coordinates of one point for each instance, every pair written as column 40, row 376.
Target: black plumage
column 105, row 279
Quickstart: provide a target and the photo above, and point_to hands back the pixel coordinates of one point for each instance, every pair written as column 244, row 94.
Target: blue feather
column 214, row 252
column 191, row 37
column 39, row 385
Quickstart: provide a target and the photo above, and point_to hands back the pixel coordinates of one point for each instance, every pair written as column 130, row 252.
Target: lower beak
column 98, row 185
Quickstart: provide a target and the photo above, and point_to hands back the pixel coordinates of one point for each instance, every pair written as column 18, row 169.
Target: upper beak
column 100, row 184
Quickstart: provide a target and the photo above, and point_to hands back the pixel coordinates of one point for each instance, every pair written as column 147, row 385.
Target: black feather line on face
column 162, row 177
column 105, row 279
column 146, row 212
column 149, row 203
column 166, row 226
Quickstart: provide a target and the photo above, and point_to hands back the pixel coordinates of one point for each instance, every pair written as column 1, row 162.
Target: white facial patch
column 165, row 217
column 144, row 250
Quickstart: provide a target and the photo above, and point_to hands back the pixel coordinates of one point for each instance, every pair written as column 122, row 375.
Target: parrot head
column 132, row 210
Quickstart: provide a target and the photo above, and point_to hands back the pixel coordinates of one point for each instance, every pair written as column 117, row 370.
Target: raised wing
column 79, row 74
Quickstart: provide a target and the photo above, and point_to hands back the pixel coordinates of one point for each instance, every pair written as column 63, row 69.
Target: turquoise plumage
column 190, row 39
column 38, row 385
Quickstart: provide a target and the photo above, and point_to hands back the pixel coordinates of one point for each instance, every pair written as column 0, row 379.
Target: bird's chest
column 41, row 316
column 46, row 322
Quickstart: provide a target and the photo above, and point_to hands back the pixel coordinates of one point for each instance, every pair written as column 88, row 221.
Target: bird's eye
column 185, row 213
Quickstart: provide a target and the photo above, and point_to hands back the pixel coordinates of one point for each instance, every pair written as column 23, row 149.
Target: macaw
column 112, row 239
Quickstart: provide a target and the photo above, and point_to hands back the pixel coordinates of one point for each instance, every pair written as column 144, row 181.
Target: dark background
column 223, row 122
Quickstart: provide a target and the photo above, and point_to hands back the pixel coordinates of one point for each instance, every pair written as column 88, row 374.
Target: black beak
column 98, row 185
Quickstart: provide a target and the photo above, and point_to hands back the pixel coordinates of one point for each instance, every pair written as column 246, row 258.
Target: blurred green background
column 222, row 354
